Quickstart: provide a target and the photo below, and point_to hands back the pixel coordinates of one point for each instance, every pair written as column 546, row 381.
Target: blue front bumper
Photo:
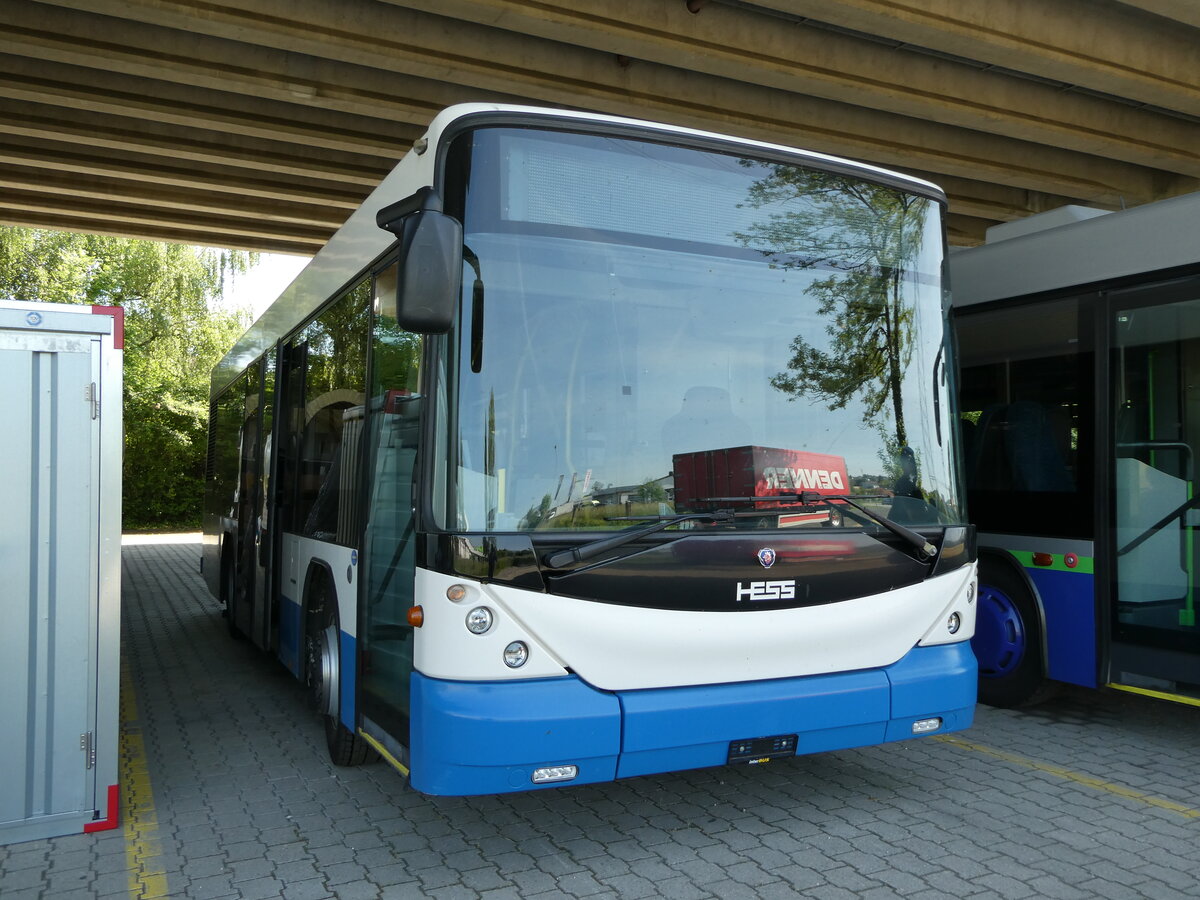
column 488, row 737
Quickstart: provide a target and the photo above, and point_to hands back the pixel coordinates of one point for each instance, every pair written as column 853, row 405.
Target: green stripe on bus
column 1084, row 566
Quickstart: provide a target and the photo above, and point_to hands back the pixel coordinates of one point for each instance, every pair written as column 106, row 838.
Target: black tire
column 321, row 671
column 1008, row 640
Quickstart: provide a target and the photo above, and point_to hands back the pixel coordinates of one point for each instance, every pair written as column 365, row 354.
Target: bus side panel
column 1068, row 603
column 348, row 681
column 291, row 626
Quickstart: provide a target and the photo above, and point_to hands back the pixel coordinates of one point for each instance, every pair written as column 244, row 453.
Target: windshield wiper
column 595, row 548
column 924, row 548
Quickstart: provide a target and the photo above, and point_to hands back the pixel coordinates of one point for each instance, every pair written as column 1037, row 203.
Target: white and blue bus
column 1079, row 340
column 441, row 465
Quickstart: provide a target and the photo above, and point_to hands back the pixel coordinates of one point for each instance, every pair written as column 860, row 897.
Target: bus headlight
column 954, row 623
column 479, row 620
column 516, row 654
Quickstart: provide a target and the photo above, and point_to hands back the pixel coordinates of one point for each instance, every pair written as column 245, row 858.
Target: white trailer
column 60, row 552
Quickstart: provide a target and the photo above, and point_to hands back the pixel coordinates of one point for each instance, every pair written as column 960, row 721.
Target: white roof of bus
column 1149, row 238
column 359, row 241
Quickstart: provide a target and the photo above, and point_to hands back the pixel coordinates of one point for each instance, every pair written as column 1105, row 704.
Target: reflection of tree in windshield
column 868, row 235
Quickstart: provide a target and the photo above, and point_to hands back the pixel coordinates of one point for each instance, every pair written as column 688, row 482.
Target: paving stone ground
column 1091, row 794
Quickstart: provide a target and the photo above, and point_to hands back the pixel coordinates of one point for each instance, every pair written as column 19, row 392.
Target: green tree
column 867, row 235
column 652, row 491
column 173, row 337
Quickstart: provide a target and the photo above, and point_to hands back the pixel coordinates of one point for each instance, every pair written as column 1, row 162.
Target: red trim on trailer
column 114, row 791
column 118, row 314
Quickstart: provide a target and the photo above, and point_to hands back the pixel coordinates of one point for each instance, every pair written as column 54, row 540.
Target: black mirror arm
column 391, row 217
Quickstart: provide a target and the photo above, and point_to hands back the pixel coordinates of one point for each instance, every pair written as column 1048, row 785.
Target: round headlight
column 516, row 654
column 954, row 623
column 479, row 620
column 456, row 592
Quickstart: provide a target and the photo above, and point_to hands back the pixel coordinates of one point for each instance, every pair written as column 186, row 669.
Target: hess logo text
column 766, row 590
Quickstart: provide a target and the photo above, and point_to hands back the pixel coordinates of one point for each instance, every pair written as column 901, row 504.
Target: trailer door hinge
column 92, row 395
column 88, row 746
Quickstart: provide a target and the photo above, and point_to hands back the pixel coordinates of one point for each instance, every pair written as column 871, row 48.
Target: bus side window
column 328, row 419
column 1025, row 458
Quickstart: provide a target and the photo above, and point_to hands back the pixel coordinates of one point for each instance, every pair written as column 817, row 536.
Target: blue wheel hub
column 1000, row 639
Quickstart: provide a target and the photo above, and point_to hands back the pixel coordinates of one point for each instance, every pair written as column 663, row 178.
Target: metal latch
column 92, row 395
column 88, row 746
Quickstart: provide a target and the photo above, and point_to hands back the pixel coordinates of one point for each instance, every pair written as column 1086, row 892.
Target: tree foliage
column 173, row 337
column 866, row 235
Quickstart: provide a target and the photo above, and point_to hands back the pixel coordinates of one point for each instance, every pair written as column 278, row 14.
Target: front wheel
column 1008, row 638
column 323, row 674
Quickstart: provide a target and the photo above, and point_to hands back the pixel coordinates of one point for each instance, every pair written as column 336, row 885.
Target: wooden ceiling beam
column 439, row 48
column 185, row 57
column 1077, row 42
column 109, row 93
column 56, row 158
column 139, row 216
column 738, row 43
column 26, row 218
column 1186, row 12
column 170, row 202
column 87, row 129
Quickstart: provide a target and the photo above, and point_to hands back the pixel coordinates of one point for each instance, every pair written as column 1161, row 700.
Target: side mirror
column 431, row 258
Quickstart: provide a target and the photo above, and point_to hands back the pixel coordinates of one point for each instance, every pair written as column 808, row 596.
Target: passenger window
column 327, row 425
column 1026, row 419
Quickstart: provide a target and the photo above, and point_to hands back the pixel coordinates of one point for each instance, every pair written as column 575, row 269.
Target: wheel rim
column 1000, row 636
column 323, row 669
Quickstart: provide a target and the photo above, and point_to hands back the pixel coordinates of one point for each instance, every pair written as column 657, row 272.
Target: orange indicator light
column 416, row 616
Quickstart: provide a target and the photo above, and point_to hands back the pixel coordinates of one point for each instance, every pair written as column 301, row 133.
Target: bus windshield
column 646, row 326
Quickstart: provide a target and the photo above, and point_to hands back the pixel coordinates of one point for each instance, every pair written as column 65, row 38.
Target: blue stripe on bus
column 289, row 635
column 1068, row 600
column 487, row 737
column 348, row 681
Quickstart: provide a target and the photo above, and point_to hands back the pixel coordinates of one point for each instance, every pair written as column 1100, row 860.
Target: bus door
column 241, row 597
column 385, row 637
column 1156, row 426
column 248, row 613
column 262, row 588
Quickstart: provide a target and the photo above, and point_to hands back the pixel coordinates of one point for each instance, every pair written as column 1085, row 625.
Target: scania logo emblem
column 766, row 556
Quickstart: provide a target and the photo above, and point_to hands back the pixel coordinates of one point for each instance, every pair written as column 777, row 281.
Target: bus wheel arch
column 1009, row 641
column 322, row 665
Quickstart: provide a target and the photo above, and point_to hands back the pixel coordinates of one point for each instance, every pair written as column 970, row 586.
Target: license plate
column 754, row 751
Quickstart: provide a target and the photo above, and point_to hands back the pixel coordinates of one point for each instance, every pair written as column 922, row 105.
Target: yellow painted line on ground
column 1157, row 695
column 1090, row 781
column 142, row 846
